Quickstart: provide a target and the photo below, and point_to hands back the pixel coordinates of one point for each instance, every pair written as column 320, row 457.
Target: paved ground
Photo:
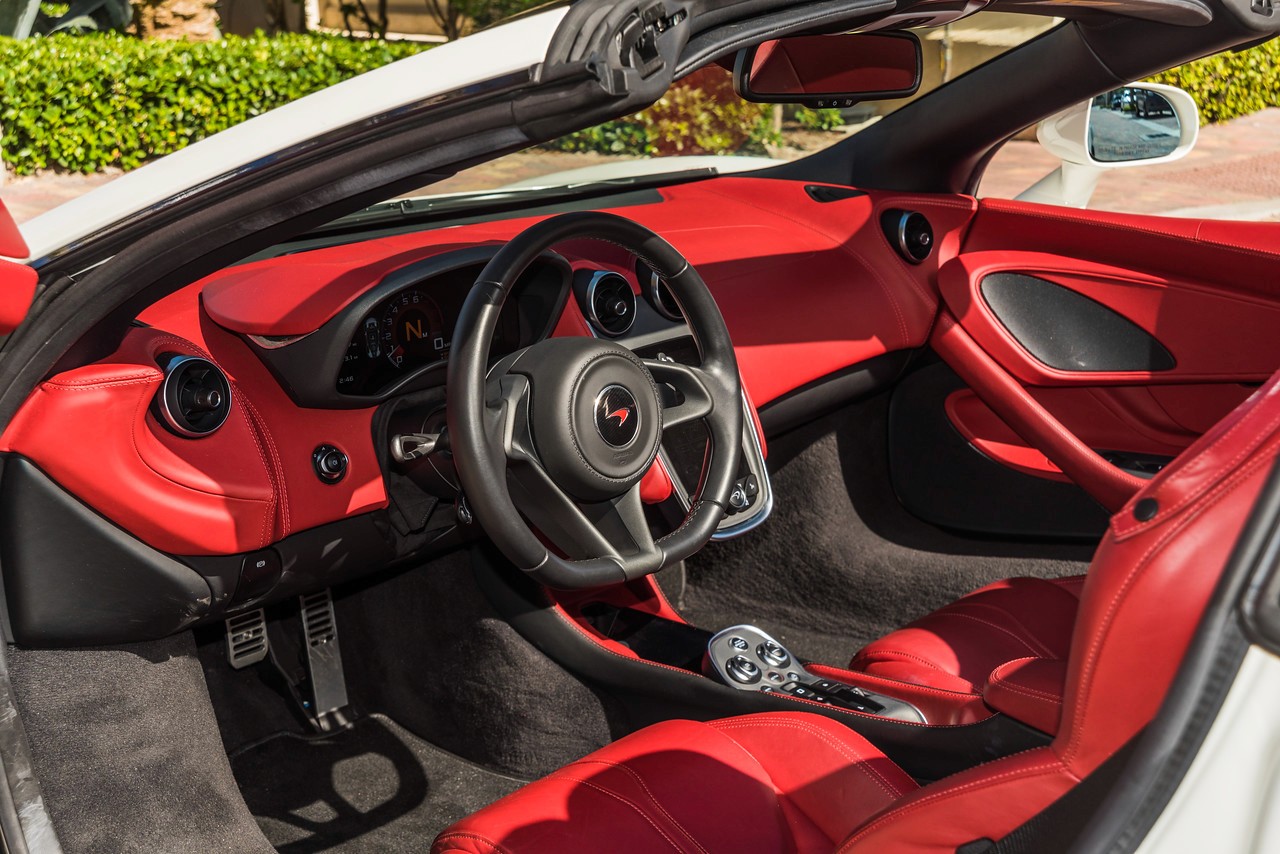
column 1233, row 173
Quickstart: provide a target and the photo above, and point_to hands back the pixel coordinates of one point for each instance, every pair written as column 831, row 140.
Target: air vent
column 195, row 397
column 610, row 303
column 910, row 233
column 658, row 292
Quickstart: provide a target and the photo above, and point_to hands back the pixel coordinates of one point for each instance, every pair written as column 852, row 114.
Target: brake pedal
column 247, row 638
column 324, row 661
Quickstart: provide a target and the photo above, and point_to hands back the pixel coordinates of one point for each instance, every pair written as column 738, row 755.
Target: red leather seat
column 958, row 646
column 799, row 782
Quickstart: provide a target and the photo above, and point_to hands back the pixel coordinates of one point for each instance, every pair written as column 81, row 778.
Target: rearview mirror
column 829, row 71
column 1140, row 124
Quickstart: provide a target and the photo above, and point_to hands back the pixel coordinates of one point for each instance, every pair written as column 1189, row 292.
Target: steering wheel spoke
column 615, row 528
column 692, row 387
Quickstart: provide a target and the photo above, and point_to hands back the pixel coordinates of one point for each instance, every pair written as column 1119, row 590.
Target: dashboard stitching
column 142, row 402
column 276, row 472
column 56, row 386
column 273, row 505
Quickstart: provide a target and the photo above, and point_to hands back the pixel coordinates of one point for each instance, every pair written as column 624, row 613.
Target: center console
column 746, row 658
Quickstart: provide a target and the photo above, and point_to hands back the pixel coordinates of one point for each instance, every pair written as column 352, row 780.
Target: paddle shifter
column 746, row 658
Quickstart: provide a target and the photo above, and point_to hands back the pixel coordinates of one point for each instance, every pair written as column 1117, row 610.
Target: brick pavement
column 1234, row 172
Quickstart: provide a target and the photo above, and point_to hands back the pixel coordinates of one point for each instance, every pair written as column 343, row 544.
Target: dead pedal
column 247, row 638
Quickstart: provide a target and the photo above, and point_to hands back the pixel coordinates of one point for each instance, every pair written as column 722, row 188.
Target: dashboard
column 328, row 349
column 395, row 337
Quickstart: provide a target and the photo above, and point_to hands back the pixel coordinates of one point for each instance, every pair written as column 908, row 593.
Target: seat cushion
column 957, row 646
column 789, row 781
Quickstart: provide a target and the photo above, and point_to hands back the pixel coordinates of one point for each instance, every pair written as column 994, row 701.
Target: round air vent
column 911, row 234
column 195, row 397
column 658, row 292
column 611, row 304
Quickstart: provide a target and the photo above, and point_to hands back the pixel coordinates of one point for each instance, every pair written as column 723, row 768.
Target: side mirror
column 830, row 71
column 1140, row 124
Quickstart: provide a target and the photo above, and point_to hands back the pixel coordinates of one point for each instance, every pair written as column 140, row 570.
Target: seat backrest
column 1147, row 588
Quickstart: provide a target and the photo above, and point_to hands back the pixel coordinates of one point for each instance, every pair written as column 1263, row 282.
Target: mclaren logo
column 617, row 418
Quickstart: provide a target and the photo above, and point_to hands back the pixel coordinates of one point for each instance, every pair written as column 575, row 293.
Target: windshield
column 700, row 127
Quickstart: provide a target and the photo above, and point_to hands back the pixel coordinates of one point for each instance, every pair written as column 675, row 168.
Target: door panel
column 1103, row 343
column 1211, row 334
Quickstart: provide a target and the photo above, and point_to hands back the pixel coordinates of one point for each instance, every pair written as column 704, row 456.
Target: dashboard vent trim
column 910, row 234
column 194, row 399
column 610, row 303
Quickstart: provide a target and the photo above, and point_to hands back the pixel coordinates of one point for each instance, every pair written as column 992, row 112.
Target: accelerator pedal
column 324, row 662
column 247, row 638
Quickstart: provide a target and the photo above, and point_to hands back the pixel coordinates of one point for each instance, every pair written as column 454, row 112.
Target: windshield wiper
column 428, row 207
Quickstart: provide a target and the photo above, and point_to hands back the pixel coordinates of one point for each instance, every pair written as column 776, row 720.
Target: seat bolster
column 985, row 802
column 824, row 773
column 788, row 781
column 1029, row 690
column 957, row 646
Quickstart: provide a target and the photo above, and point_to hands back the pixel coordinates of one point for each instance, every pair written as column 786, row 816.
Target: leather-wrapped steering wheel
column 557, row 436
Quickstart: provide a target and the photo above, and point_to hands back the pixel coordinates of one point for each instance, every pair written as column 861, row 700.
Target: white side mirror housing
column 1141, row 124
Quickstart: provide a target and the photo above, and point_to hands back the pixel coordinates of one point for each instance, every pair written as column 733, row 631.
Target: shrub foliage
column 699, row 114
column 82, row 103
column 1230, row 85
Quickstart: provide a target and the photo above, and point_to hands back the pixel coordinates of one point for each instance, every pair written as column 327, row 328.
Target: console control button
column 739, row 644
column 751, row 486
column 738, row 499
column 742, row 669
column 774, row 654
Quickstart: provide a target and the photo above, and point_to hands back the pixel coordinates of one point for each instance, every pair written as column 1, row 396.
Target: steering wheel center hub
column 608, row 401
column 617, row 416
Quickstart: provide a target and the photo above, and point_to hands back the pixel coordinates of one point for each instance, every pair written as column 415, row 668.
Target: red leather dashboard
column 807, row 288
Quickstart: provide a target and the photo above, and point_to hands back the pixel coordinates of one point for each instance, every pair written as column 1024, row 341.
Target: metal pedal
column 324, row 661
column 247, row 638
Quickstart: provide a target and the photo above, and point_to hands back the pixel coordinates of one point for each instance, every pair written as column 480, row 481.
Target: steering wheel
column 560, row 433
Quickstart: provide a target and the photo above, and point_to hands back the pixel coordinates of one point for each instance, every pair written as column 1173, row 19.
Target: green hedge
column 82, row 103
column 699, row 114
column 1229, row 85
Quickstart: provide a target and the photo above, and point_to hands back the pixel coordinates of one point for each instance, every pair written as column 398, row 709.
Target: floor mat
column 374, row 787
column 840, row 562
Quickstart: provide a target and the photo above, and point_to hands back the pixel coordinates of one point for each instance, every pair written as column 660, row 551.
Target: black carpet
column 426, row 648
column 127, row 752
column 840, row 562
column 374, row 787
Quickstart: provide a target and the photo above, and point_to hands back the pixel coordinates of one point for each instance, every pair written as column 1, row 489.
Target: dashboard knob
column 330, row 463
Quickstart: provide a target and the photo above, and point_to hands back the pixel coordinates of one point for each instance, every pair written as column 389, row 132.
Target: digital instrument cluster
column 411, row 331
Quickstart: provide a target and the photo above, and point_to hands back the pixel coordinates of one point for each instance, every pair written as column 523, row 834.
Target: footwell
column 373, row 787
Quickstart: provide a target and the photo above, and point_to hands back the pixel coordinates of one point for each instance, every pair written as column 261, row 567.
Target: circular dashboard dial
column 412, row 331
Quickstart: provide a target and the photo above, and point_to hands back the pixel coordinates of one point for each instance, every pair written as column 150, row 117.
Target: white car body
column 512, row 47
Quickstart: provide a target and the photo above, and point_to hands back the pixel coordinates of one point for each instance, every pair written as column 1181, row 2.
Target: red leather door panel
column 1209, row 292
